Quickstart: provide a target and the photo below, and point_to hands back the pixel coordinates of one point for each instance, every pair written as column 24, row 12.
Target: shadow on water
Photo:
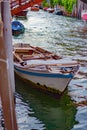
column 56, row 114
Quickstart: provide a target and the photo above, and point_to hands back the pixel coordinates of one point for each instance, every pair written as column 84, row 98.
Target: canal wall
column 80, row 6
column 77, row 9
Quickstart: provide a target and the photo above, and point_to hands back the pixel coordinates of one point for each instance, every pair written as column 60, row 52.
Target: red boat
column 35, row 8
column 45, row 8
column 50, row 10
column 23, row 13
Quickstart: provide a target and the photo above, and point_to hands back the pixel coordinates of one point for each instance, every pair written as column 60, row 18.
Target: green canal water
column 50, row 113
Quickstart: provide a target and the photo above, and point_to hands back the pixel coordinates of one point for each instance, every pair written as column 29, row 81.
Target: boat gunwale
column 42, row 73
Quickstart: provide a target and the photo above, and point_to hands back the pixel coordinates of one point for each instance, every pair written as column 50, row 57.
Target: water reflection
column 55, row 114
column 25, row 118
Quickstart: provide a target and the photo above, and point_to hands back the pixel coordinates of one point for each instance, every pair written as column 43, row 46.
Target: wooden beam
column 6, row 91
column 7, row 97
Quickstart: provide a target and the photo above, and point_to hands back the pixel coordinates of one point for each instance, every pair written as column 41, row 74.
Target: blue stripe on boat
column 51, row 75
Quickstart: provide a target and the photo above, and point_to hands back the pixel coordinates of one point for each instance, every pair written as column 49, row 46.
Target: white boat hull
column 57, row 82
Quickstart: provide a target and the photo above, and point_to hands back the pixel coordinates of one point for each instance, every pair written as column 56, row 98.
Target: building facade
column 81, row 5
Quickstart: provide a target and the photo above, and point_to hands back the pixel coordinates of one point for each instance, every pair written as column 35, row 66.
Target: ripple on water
column 25, row 118
column 81, row 117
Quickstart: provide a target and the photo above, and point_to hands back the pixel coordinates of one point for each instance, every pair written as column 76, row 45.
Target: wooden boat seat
column 33, row 56
column 42, row 50
column 18, row 50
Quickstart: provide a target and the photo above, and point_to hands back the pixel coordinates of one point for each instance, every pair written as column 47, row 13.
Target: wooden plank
column 17, row 57
column 6, row 91
column 7, row 97
column 58, row 65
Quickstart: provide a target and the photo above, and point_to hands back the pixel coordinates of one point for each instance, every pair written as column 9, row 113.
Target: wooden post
column 7, row 19
column 77, row 8
column 6, row 78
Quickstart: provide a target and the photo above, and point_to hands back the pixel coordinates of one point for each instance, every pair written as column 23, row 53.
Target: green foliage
column 52, row 3
column 68, row 4
column 59, row 2
column 45, row 3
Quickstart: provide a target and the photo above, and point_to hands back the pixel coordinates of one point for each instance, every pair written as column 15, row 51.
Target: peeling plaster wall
column 80, row 6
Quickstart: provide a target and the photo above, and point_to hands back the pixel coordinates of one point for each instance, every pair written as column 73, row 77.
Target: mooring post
column 7, row 85
column 7, row 19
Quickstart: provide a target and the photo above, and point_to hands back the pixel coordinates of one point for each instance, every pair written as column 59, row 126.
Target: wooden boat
column 17, row 28
column 35, row 8
column 45, row 8
column 58, row 12
column 50, row 72
column 22, row 14
column 50, row 10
